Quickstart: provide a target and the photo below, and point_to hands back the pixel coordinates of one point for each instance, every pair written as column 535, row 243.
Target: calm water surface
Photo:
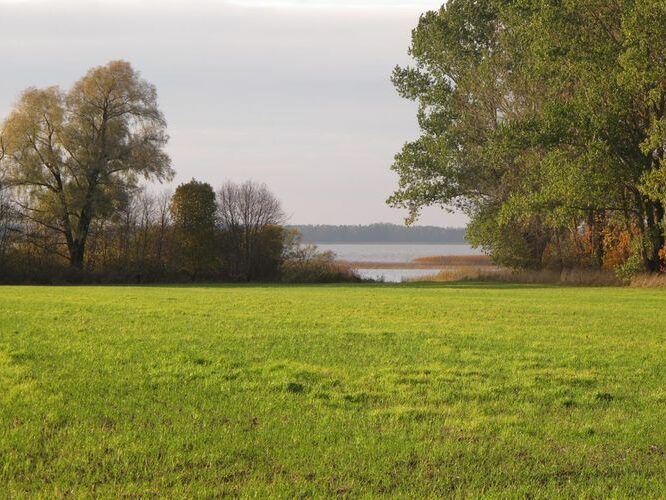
column 395, row 275
column 395, row 253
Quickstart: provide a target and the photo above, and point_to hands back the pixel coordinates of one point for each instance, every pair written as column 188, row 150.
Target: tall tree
column 77, row 153
column 247, row 213
column 464, row 84
column 193, row 211
column 543, row 120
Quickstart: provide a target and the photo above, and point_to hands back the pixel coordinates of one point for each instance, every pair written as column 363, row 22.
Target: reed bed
column 648, row 280
column 580, row 277
column 430, row 262
column 455, row 260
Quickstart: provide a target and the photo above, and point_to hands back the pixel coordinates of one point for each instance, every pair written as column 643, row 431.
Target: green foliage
column 78, row 154
column 193, row 210
column 630, row 268
column 267, row 253
column 409, row 391
column 540, row 120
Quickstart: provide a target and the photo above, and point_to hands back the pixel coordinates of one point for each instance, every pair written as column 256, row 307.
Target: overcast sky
column 292, row 93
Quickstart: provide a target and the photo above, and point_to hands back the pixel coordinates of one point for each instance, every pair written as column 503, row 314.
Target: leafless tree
column 249, row 205
column 163, row 216
column 244, row 212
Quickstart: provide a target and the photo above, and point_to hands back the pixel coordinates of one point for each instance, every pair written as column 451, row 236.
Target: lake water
column 394, row 253
column 394, row 275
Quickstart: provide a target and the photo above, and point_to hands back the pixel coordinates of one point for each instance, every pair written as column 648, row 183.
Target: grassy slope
column 398, row 390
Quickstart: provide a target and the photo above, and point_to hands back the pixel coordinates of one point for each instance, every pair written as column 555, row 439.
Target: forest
column 545, row 123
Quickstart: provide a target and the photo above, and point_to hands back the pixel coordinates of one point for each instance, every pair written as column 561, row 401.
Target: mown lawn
column 359, row 390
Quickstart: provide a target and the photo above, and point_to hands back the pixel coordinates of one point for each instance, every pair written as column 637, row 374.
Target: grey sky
column 293, row 93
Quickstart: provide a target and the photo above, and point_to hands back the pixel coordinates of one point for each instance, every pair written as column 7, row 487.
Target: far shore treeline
column 73, row 207
column 380, row 233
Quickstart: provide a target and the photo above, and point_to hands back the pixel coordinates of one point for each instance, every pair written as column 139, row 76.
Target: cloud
column 338, row 4
column 297, row 98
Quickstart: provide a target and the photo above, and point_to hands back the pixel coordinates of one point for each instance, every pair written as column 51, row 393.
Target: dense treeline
column 186, row 236
column 380, row 233
column 545, row 122
column 73, row 207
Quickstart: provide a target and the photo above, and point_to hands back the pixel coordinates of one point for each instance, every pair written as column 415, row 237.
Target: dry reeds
column 455, row 260
column 648, row 280
column 494, row 274
column 432, row 262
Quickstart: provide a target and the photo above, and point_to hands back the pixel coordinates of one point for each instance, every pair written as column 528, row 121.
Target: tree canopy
column 544, row 121
column 193, row 210
column 77, row 154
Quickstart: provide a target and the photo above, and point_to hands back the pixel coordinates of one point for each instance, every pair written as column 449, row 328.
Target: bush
column 316, row 267
column 629, row 268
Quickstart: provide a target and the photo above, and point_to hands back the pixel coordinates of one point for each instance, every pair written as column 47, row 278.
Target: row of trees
column 72, row 205
column 545, row 122
column 237, row 236
column 190, row 235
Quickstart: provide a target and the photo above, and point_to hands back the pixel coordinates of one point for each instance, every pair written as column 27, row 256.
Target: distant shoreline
column 380, row 234
column 432, row 262
column 464, row 243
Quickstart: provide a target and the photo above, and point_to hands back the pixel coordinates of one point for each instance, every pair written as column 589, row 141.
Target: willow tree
column 76, row 155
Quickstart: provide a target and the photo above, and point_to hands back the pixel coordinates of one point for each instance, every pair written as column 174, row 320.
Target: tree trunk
column 643, row 230
column 76, row 254
column 78, row 246
column 655, row 235
column 595, row 222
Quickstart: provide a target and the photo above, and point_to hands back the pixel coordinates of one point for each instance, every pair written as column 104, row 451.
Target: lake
column 380, row 252
column 395, row 253
column 394, row 275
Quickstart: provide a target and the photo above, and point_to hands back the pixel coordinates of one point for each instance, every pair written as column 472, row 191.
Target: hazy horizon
column 291, row 93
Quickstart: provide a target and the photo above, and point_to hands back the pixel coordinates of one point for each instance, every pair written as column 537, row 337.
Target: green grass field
column 358, row 390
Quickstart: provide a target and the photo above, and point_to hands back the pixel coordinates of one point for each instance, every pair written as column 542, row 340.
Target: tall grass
column 647, row 280
column 317, row 270
column 494, row 274
column 455, row 260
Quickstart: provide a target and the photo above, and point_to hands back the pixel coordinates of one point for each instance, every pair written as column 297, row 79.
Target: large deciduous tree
column 544, row 121
column 76, row 154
